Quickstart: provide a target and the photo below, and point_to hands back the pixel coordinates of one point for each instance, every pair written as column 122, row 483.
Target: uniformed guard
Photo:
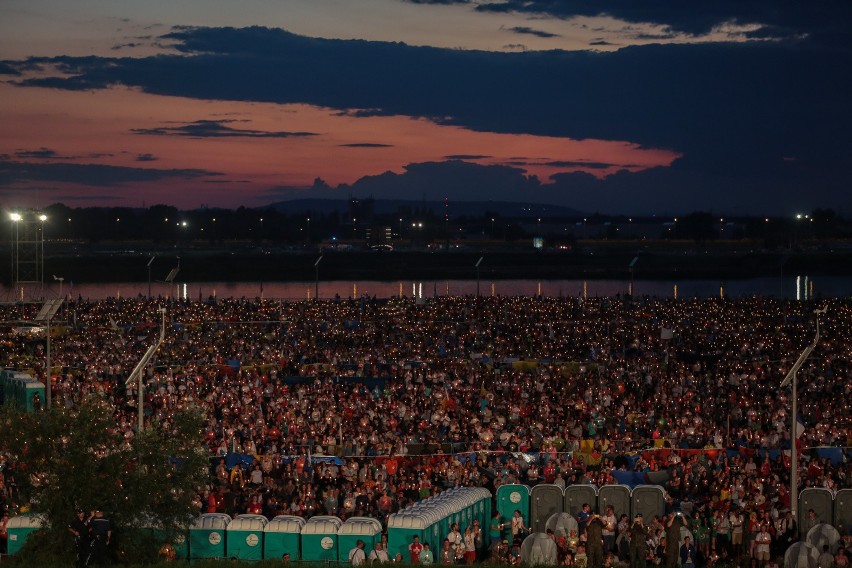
column 79, row 529
column 101, row 533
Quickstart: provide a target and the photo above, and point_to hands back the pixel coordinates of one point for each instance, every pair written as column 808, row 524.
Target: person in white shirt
column 357, row 556
column 762, row 543
column 379, row 554
column 518, row 526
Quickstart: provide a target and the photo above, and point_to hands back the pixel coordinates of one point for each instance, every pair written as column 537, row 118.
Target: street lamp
column 59, row 279
column 478, row 262
column 150, row 262
column 316, row 278
column 42, row 218
column 138, row 373
column 15, row 217
column 791, row 379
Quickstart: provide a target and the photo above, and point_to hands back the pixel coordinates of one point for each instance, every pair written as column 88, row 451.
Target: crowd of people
column 415, row 397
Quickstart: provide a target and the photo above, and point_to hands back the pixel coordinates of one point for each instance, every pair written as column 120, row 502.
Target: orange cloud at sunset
column 234, row 152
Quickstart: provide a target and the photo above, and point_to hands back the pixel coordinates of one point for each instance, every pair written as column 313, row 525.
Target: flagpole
column 794, row 420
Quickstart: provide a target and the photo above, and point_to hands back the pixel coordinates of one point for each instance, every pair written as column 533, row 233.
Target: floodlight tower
column 27, row 246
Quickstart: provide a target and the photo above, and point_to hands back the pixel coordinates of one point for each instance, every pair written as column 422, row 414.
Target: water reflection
column 796, row 287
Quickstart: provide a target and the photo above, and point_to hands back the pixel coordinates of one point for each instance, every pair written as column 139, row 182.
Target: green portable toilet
column 282, row 535
column 177, row 538
column 319, row 538
column 245, row 537
column 180, row 542
column 509, row 498
column 207, row 536
column 31, row 390
column 354, row 529
column 18, row 529
column 402, row 527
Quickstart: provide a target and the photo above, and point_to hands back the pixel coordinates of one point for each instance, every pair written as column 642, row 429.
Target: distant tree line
column 357, row 222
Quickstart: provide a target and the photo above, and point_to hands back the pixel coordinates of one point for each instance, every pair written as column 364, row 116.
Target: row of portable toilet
column 541, row 502
column 253, row 537
column 830, row 507
column 432, row 519
column 21, row 390
column 246, row 537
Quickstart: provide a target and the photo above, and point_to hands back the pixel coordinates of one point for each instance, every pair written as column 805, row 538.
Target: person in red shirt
column 414, row 549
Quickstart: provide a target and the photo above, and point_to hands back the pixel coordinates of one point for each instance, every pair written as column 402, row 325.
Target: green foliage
column 69, row 459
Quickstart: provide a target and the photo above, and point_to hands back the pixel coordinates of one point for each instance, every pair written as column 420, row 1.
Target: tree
column 70, row 459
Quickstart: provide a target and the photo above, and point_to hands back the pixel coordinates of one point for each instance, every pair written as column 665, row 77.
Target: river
column 792, row 287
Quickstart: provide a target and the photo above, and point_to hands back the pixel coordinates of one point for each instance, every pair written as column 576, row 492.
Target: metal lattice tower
column 27, row 246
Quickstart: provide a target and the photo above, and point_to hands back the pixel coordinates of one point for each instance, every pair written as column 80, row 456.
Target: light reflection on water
column 793, row 287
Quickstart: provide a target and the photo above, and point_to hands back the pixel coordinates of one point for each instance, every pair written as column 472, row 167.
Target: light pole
column 59, row 279
column 42, row 218
column 150, row 262
column 316, row 278
column 138, row 372
column 478, row 262
column 791, row 379
column 16, row 219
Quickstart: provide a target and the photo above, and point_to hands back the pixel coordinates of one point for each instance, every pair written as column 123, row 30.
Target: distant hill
column 456, row 208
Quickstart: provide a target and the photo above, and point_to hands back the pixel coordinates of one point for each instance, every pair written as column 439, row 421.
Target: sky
column 610, row 106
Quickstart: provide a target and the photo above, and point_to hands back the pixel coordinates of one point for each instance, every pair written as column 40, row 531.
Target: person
column 79, row 529
column 4, row 535
column 810, row 522
column 469, row 545
column 518, row 526
column 610, row 523
column 581, row 559
column 379, row 554
column 762, row 544
column 583, row 517
column 687, row 553
column 500, row 553
column 495, row 529
column 594, row 541
column 455, row 536
column 447, row 555
column 622, row 541
column 672, row 528
column 826, row 559
column 414, row 550
column 101, row 533
column 357, row 556
column 285, row 558
column 737, row 525
column 426, row 556
column 638, row 543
